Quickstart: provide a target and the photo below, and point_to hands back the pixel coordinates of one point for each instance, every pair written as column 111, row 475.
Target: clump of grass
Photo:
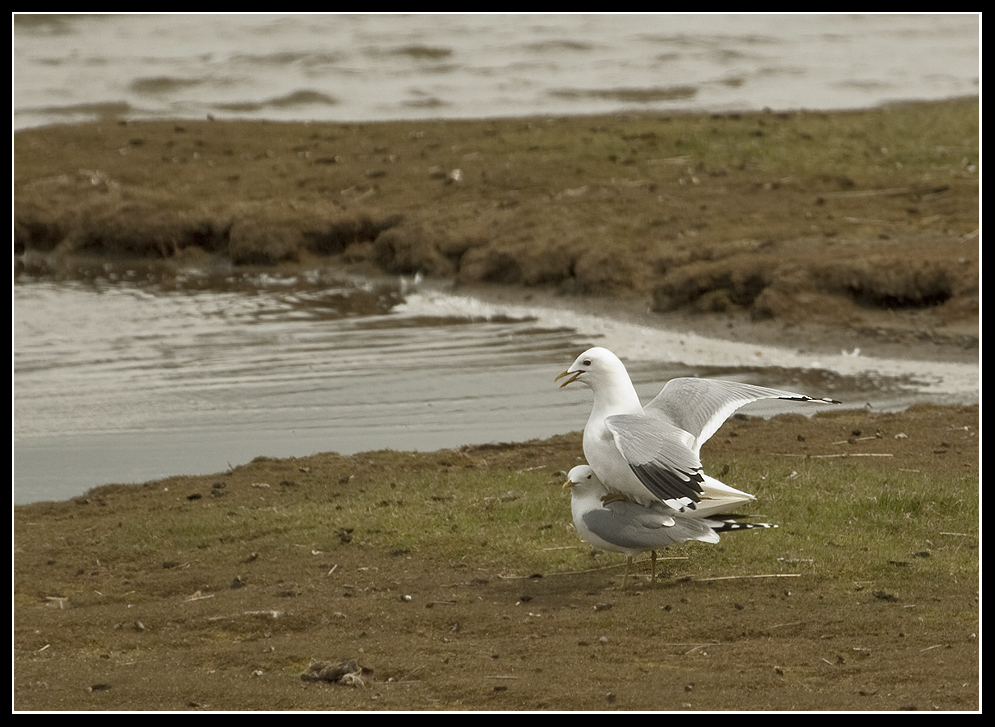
column 850, row 522
column 502, row 515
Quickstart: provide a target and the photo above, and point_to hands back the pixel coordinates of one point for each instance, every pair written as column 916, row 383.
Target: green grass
column 888, row 526
column 849, row 522
column 841, row 519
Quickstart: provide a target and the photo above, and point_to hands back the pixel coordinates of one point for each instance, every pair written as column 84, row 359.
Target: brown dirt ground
column 483, row 631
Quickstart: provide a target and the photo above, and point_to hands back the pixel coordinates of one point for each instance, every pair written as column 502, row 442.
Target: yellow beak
column 573, row 377
column 568, row 484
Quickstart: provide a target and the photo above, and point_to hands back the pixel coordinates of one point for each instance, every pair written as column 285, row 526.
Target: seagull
column 651, row 454
column 625, row 527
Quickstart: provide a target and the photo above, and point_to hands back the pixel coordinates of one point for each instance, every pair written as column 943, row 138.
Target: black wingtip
column 729, row 527
column 823, row 400
column 671, row 486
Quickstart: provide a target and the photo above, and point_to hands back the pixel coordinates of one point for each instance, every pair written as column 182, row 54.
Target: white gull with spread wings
column 651, row 454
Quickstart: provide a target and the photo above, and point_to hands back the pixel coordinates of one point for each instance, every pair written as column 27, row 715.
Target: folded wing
column 635, row 527
column 660, row 454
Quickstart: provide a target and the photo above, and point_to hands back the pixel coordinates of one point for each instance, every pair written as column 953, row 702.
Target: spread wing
column 700, row 406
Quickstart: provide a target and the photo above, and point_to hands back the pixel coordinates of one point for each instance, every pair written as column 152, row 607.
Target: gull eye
column 587, row 362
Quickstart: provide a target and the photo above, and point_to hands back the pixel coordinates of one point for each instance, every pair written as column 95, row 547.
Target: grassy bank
column 456, row 580
column 804, row 216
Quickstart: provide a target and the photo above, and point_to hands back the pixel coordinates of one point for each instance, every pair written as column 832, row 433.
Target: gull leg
column 625, row 578
column 653, row 566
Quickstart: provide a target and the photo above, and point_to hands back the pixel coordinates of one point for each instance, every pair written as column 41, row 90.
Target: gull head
column 579, row 476
column 595, row 367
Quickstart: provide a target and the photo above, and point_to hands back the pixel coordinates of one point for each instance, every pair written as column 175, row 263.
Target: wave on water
column 642, row 343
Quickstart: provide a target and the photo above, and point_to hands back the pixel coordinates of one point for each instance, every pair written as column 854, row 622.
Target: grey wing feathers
column 628, row 525
column 659, row 454
column 700, row 406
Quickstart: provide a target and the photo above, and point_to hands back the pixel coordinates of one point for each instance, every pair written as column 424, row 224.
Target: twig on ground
column 766, row 575
column 828, row 456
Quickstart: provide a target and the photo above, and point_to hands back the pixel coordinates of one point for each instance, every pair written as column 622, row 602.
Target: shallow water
column 120, row 382
column 123, row 378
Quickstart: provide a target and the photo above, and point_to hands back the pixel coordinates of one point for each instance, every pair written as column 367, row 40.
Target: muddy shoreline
column 890, row 338
column 856, row 227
